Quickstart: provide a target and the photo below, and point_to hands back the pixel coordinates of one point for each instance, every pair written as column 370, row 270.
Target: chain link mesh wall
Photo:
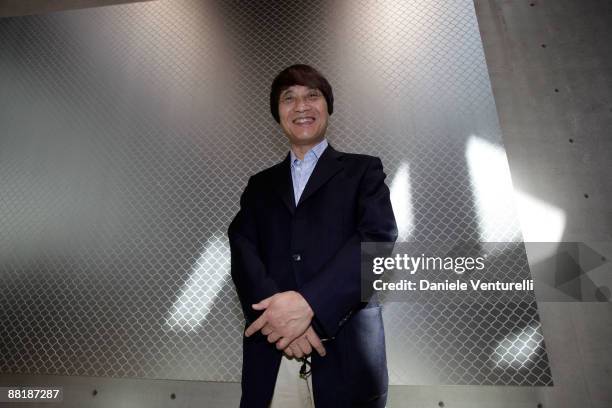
column 128, row 134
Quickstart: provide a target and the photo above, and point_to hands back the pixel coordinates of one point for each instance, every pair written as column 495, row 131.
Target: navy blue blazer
column 314, row 248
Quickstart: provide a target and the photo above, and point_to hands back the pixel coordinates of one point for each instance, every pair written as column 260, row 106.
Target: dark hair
column 304, row 75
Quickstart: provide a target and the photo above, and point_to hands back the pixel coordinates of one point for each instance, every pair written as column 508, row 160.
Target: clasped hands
column 286, row 321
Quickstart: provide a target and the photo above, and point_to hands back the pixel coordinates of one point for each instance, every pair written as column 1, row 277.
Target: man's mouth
column 309, row 120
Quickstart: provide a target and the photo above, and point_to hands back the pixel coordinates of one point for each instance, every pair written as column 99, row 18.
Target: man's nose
column 301, row 104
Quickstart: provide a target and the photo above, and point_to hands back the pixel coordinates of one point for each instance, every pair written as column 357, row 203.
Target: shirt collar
column 315, row 152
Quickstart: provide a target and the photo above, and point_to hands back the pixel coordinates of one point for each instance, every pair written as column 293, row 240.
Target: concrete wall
column 550, row 64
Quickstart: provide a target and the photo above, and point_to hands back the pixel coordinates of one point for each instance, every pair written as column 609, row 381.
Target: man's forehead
column 297, row 88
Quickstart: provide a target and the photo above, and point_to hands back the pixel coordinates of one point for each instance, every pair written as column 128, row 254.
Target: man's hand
column 287, row 315
column 303, row 345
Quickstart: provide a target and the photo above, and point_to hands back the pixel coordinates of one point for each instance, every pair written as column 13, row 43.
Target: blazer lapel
column 284, row 184
column 327, row 166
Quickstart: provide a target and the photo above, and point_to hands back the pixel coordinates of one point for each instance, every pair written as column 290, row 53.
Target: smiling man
column 295, row 254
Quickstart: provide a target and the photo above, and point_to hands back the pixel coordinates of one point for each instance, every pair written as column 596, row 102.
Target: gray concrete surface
column 550, row 64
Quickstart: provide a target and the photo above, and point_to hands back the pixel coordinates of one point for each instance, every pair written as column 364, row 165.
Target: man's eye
column 287, row 98
column 314, row 95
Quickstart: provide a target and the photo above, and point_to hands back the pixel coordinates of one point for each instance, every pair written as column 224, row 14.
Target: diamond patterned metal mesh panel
column 128, row 134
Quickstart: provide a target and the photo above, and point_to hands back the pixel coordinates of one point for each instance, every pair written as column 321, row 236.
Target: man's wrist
column 309, row 311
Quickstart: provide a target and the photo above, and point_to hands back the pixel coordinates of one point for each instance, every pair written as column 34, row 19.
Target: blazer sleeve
column 247, row 269
column 335, row 292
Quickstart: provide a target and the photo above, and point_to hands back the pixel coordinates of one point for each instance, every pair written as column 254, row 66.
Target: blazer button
column 297, row 257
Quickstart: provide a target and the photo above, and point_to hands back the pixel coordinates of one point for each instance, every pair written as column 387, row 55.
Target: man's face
column 303, row 115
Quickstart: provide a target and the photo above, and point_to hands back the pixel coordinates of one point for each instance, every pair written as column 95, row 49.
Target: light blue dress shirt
column 302, row 169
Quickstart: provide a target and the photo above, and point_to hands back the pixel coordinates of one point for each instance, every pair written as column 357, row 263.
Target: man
column 295, row 254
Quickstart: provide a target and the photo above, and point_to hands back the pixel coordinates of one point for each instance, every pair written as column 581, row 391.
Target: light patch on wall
column 209, row 275
column 492, row 188
column 497, row 201
column 401, row 200
column 518, row 350
column 540, row 221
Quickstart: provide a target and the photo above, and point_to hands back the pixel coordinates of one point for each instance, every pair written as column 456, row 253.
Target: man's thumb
column 262, row 305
